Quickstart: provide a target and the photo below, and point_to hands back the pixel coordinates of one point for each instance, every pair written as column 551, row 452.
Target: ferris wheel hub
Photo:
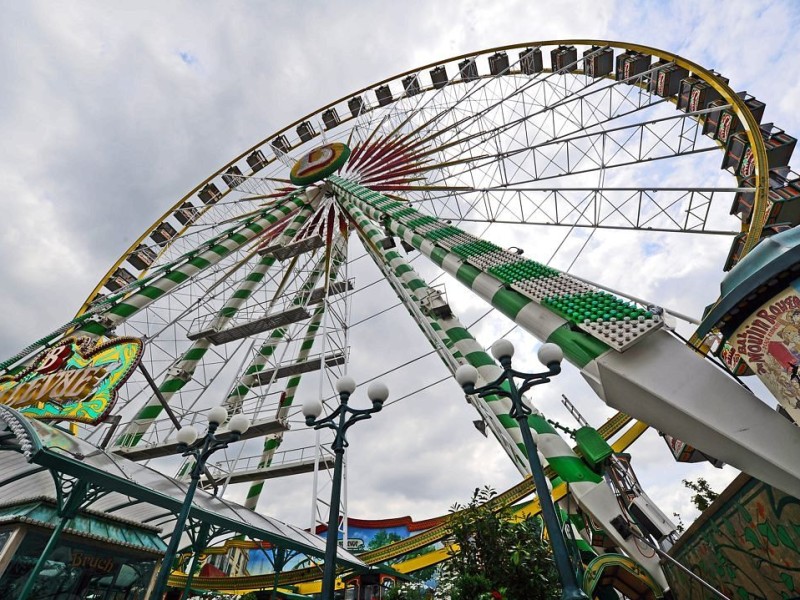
column 319, row 163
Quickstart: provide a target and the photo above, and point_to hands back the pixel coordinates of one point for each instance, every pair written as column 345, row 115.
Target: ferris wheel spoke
column 655, row 209
column 420, row 108
column 272, row 443
column 158, row 431
column 329, row 270
column 542, row 121
column 636, row 143
column 645, row 141
column 234, row 402
column 423, row 302
column 251, row 375
column 159, row 286
column 185, row 366
column 585, row 124
column 172, row 368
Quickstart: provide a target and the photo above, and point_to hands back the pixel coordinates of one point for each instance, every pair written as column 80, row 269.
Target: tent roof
column 132, row 492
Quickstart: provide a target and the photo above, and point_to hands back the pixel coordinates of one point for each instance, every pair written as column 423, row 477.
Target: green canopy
column 38, row 455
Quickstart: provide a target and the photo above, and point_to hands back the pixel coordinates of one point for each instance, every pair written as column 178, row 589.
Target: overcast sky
column 110, row 112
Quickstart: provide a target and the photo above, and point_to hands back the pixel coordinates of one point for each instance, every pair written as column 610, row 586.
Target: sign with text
column 75, row 380
column 768, row 341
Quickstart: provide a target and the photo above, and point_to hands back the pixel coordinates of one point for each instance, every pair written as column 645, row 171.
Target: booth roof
column 37, row 455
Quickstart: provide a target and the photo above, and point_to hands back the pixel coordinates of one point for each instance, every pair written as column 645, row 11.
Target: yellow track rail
column 307, row 579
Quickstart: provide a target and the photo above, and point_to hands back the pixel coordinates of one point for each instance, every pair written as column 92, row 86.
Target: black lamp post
column 339, row 422
column 201, row 450
column 551, row 356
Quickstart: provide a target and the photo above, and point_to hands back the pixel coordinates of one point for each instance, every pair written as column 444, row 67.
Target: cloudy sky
column 111, row 112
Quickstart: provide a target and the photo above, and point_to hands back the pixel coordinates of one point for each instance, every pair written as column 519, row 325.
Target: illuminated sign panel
column 75, row 380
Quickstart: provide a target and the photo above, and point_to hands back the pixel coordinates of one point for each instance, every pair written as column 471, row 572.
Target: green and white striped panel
column 606, row 318
column 265, row 352
column 212, row 255
column 458, row 340
column 271, row 443
column 450, row 332
column 182, row 371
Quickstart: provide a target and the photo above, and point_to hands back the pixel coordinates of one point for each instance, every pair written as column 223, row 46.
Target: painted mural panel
column 747, row 546
column 359, row 539
column 768, row 342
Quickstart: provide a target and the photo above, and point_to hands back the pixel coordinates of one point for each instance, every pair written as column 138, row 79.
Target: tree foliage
column 408, row 591
column 383, row 538
column 703, row 494
column 498, row 556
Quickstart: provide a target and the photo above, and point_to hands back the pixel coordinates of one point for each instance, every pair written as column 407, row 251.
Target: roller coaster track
column 435, row 534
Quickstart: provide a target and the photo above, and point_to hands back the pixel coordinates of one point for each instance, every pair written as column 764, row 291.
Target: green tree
column 383, row 538
column 679, row 526
column 703, row 494
column 407, row 591
column 498, row 556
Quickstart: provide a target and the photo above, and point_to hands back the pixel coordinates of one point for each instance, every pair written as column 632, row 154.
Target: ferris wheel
column 520, row 176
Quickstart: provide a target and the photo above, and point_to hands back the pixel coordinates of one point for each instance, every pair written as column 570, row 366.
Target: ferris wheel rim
column 751, row 128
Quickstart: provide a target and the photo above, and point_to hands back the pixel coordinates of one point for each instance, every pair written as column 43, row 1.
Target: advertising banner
column 75, row 380
column 768, row 341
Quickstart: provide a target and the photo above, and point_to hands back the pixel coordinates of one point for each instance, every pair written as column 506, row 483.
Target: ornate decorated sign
column 319, row 163
column 103, row 564
column 768, row 341
column 75, row 380
column 724, row 129
column 661, row 83
column 748, row 166
column 736, row 364
column 694, row 99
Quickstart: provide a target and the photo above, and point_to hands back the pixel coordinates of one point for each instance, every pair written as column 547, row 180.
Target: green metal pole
column 339, row 422
column 48, row 549
column 570, row 588
column 279, row 561
column 332, row 540
column 505, row 386
column 200, row 461
column 199, row 545
column 175, row 538
column 189, row 577
column 70, row 507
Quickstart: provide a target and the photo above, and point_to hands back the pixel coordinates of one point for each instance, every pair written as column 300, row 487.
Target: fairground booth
column 77, row 521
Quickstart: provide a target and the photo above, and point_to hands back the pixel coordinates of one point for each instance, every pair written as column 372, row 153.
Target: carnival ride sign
column 768, row 341
column 318, row 164
column 75, row 380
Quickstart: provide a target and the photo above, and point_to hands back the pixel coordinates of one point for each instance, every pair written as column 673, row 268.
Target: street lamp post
column 551, row 356
column 339, row 422
column 201, row 450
